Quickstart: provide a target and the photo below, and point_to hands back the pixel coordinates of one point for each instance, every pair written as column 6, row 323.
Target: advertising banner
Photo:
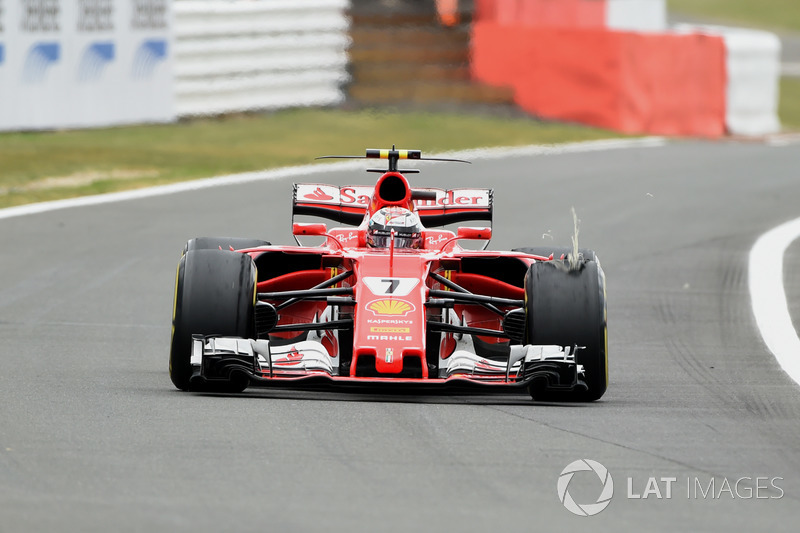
column 84, row 63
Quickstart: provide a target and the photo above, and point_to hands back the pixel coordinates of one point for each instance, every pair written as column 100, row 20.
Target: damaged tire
column 568, row 308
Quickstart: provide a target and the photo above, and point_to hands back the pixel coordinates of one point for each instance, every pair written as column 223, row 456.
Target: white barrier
column 753, row 65
column 243, row 55
column 79, row 63
column 636, row 15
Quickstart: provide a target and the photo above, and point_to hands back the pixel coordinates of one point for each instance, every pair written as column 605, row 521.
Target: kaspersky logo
column 585, row 509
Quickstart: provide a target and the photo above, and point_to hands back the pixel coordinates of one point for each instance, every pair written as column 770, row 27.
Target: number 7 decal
column 390, row 286
column 393, row 283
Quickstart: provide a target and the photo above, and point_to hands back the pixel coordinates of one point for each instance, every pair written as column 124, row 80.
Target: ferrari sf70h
column 390, row 298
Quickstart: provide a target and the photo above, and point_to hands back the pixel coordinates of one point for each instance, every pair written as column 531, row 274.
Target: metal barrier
column 244, row 55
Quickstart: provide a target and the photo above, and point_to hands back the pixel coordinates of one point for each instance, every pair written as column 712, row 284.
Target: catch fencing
column 244, row 55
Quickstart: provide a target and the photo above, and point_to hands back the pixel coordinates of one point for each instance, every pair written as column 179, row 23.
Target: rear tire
column 214, row 295
column 569, row 308
column 224, row 243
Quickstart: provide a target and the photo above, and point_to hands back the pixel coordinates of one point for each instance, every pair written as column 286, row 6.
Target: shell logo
column 391, row 307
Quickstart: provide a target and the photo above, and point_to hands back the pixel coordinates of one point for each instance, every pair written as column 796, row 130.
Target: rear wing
column 348, row 204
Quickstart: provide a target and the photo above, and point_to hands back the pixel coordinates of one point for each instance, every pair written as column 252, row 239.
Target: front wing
column 217, row 358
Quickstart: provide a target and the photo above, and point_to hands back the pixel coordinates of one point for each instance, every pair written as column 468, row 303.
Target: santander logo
column 318, row 195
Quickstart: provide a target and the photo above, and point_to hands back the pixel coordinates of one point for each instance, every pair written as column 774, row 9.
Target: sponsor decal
column 94, row 61
column 319, row 195
column 391, row 307
column 148, row 56
column 389, row 338
column 389, row 329
column 41, row 57
column 437, row 240
column 291, row 357
column 351, row 195
column 389, row 355
column 466, row 198
column 95, row 15
column 361, row 196
column 149, row 14
column 388, row 321
column 347, row 238
column 40, row 16
column 390, row 286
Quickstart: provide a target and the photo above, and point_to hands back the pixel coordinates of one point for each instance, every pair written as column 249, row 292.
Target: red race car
column 390, row 298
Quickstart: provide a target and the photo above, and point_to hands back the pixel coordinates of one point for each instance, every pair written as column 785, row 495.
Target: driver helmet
column 406, row 225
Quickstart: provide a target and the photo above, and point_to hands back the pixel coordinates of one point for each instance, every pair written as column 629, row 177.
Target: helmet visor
column 382, row 239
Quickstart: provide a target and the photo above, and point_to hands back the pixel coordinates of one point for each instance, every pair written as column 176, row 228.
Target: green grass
column 789, row 109
column 769, row 14
column 52, row 165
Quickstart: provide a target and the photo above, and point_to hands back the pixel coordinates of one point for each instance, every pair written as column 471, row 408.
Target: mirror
column 309, row 229
column 474, row 233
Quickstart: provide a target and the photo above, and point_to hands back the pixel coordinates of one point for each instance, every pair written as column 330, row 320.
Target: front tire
column 568, row 308
column 214, row 295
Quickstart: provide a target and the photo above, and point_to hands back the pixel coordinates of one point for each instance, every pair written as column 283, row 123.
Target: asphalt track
column 93, row 437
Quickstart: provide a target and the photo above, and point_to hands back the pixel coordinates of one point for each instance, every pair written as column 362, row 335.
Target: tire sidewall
column 214, row 295
column 567, row 308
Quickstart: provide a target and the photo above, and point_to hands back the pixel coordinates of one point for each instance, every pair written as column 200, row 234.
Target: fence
column 240, row 55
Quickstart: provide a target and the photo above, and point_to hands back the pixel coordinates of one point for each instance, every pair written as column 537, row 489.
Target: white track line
column 769, row 296
column 305, row 170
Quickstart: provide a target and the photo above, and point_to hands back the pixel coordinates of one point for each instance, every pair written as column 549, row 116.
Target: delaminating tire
column 569, row 308
column 225, row 243
column 214, row 295
column 557, row 251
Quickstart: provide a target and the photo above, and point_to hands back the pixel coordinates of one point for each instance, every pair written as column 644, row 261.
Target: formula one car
column 390, row 298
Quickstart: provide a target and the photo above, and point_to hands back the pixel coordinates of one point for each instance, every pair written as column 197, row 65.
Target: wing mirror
column 474, row 233
column 299, row 228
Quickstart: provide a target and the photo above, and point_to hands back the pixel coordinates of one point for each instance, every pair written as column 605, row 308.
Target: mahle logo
column 585, row 509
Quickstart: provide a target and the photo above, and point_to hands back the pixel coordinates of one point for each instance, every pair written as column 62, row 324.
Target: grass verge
column 52, row 165
column 773, row 14
column 789, row 109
